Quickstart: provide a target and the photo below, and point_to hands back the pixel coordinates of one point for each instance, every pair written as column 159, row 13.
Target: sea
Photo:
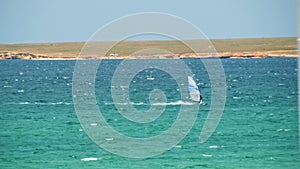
column 258, row 129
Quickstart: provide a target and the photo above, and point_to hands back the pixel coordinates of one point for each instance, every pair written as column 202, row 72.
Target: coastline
column 222, row 55
column 226, row 48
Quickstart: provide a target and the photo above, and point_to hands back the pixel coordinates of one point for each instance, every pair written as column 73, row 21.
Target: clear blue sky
column 26, row 21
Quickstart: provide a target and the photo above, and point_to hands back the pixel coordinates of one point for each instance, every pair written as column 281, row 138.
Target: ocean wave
column 236, row 97
column 7, row 86
column 283, row 129
column 89, row 159
column 207, row 155
column 177, row 146
column 215, row 146
column 45, row 103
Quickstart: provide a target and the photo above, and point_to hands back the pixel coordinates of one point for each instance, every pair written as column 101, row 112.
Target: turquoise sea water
column 258, row 129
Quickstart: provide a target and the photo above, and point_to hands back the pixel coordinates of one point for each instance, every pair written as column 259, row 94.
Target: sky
column 30, row 21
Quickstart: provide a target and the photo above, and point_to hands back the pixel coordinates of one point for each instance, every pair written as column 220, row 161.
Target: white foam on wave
column 24, row 103
column 207, row 155
column 52, row 103
column 213, row 147
column 42, row 103
column 109, row 139
column 177, row 146
column 150, row 78
column 283, row 129
column 7, row 86
column 236, row 98
column 89, row 159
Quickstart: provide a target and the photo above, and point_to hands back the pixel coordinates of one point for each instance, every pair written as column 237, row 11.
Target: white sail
column 194, row 93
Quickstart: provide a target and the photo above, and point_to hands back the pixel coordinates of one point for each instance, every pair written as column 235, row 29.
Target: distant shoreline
column 226, row 48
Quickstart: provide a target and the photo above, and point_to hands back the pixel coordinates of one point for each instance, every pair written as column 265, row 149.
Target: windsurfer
column 200, row 101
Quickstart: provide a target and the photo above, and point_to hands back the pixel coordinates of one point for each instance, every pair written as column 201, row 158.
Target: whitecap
column 236, row 98
column 51, row 103
column 283, row 129
column 7, row 86
column 213, row 147
column 89, row 159
column 93, row 124
column 177, row 146
column 206, row 155
column 124, row 87
column 150, row 78
column 24, row 103
column 20, row 91
column 109, row 139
